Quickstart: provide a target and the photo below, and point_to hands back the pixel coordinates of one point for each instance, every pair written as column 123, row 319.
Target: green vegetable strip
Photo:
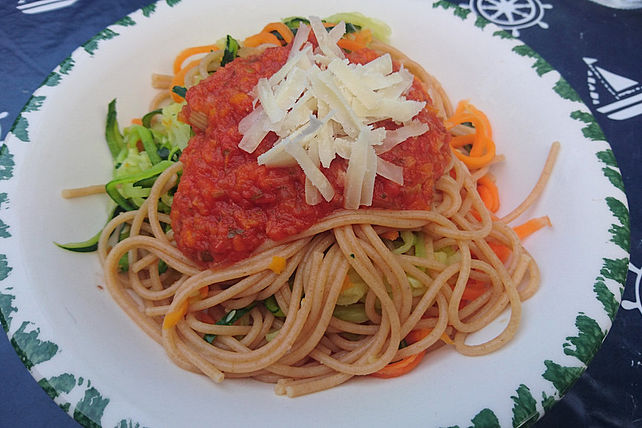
column 294, row 22
column 408, row 241
column 231, row 51
column 90, row 244
column 112, row 133
column 112, row 187
column 147, row 119
column 179, row 90
column 230, row 318
column 273, row 306
column 147, row 139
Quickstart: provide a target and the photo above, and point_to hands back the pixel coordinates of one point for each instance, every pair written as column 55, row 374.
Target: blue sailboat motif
column 39, row 6
column 625, row 95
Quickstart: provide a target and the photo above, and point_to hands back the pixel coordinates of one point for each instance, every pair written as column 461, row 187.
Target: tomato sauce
column 226, row 204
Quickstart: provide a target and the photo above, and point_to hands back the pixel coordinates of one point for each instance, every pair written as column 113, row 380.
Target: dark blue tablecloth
column 577, row 37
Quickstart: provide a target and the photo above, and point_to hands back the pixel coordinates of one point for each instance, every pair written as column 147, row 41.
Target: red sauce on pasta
column 227, row 205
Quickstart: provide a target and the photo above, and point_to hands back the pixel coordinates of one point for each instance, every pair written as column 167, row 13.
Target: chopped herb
column 179, row 90
column 277, row 35
column 231, row 233
column 230, row 318
column 352, row 255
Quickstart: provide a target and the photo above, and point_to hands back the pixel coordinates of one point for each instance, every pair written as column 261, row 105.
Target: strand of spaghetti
column 390, row 323
column 237, row 271
column 398, row 278
column 264, row 356
column 240, row 362
column 324, row 307
column 435, row 334
column 165, row 181
column 80, row 192
column 399, row 287
column 511, row 295
column 539, row 185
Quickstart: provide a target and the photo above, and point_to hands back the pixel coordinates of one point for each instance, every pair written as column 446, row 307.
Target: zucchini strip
column 112, row 132
column 145, row 136
column 90, row 244
column 112, row 187
column 147, row 119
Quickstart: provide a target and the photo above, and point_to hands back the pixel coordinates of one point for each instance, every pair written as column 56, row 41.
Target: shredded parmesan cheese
column 322, row 106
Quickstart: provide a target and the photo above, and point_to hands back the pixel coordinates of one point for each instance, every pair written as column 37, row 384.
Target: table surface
column 35, row 36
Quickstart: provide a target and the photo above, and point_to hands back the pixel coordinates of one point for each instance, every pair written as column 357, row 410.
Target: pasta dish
column 305, row 206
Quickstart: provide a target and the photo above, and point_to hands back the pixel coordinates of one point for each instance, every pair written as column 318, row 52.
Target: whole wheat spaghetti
column 429, row 278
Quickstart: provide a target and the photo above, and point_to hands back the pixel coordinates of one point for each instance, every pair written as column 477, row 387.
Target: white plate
column 99, row 366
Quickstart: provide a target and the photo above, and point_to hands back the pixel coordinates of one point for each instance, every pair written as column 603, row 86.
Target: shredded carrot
column 420, row 333
column 501, row 250
column 487, row 189
column 261, row 38
column 532, row 226
column 203, row 316
column 137, row 121
column 186, row 53
column 277, row 264
column 350, row 45
column 179, row 79
column 473, row 290
column 401, row 367
column 364, row 36
column 204, row 291
column 417, row 335
column 283, row 30
column 391, row 235
column 462, row 140
column 483, row 146
column 172, row 318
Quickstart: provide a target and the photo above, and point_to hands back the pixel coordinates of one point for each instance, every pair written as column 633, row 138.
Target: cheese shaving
column 322, row 106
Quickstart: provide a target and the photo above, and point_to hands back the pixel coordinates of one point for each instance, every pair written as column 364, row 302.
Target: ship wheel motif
column 511, row 15
column 637, row 304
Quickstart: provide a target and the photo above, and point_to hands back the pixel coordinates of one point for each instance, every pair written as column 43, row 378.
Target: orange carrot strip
column 364, row 36
column 179, row 79
column 473, row 291
column 501, row 250
column 261, row 38
column 280, row 28
column 488, row 191
column 532, row 226
column 205, row 317
column 172, row 318
column 475, row 162
column 137, row 121
column 401, row 367
column 390, row 235
column 417, row 335
column 186, row 53
column 350, row 45
column 204, row 291
column 420, row 333
column 483, row 146
column 462, row 140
